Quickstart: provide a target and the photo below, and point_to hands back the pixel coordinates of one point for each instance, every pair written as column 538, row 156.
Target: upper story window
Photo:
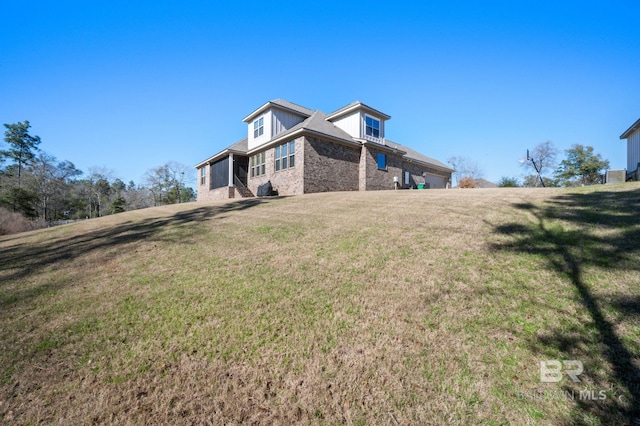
column 258, row 127
column 203, row 175
column 372, row 127
column 258, row 164
column 382, row 161
column 285, row 155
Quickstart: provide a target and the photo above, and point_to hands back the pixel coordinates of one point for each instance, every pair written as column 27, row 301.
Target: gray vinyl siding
column 633, row 151
column 352, row 124
column 355, row 125
column 282, row 120
column 266, row 135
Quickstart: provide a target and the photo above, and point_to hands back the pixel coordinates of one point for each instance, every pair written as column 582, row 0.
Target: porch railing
column 241, row 187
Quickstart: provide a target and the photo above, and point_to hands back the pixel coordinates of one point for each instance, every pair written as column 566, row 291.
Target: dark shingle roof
column 294, row 107
column 318, row 122
column 240, row 146
column 280, row 103
column 415, row 155
column 315, row 124
column 356, row 105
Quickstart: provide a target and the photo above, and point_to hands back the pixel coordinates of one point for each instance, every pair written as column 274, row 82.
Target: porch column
column 231, row 182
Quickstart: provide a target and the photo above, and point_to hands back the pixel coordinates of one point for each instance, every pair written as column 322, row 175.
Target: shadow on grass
column 23, row 260
column 569, row 252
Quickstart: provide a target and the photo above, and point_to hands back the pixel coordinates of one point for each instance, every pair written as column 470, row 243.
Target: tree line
column 40, row 187
column 581, row 166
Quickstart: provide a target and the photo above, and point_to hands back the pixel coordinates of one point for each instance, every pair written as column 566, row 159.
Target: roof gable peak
column 355, row 106
column 280, row 104
column 635, row 126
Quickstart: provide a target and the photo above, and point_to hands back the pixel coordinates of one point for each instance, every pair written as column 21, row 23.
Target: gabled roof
column 354, row 106
column 316, row 124
column 239, row 147
column 635, row 126
column 483, row 183
column 281, row 104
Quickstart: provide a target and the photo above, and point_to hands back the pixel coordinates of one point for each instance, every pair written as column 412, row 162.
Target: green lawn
column 391, row 307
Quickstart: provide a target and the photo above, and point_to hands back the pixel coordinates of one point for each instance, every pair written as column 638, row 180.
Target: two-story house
column 632, row 135
column 301, row 151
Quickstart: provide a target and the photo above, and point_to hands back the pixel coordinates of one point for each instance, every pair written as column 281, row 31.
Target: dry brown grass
column 399, row 307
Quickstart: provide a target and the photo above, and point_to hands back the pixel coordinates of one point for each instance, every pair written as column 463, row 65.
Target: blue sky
column 130, row 85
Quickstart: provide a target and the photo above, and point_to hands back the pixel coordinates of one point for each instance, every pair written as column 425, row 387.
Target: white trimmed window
column 258, row 164
column 258, row 127
column 372, row 127
column 203, row 175
column 285, row 155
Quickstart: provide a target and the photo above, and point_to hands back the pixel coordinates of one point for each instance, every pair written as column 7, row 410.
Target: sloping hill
column 407, row 307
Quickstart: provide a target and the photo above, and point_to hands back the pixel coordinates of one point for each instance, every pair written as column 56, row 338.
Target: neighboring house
column 632, row 135
column 478, row 183
column 301, row 151
column 483, row 183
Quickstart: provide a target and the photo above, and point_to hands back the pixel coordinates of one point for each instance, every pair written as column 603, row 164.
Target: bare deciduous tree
column 167, row 183
column 542, row 160
column 465, row 168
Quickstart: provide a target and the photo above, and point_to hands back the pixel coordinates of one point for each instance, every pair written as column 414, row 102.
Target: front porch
column 224, row 176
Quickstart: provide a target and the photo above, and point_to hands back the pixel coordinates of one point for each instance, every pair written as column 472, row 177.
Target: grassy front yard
column 394, row 307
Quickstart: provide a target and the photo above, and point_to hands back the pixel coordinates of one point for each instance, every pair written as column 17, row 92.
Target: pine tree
column 22, row 146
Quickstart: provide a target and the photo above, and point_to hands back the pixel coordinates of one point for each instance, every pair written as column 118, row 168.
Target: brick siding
column 287, row 181
column 329, row 166
column 322, row 166
column 376, row 179
column 206, row 194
